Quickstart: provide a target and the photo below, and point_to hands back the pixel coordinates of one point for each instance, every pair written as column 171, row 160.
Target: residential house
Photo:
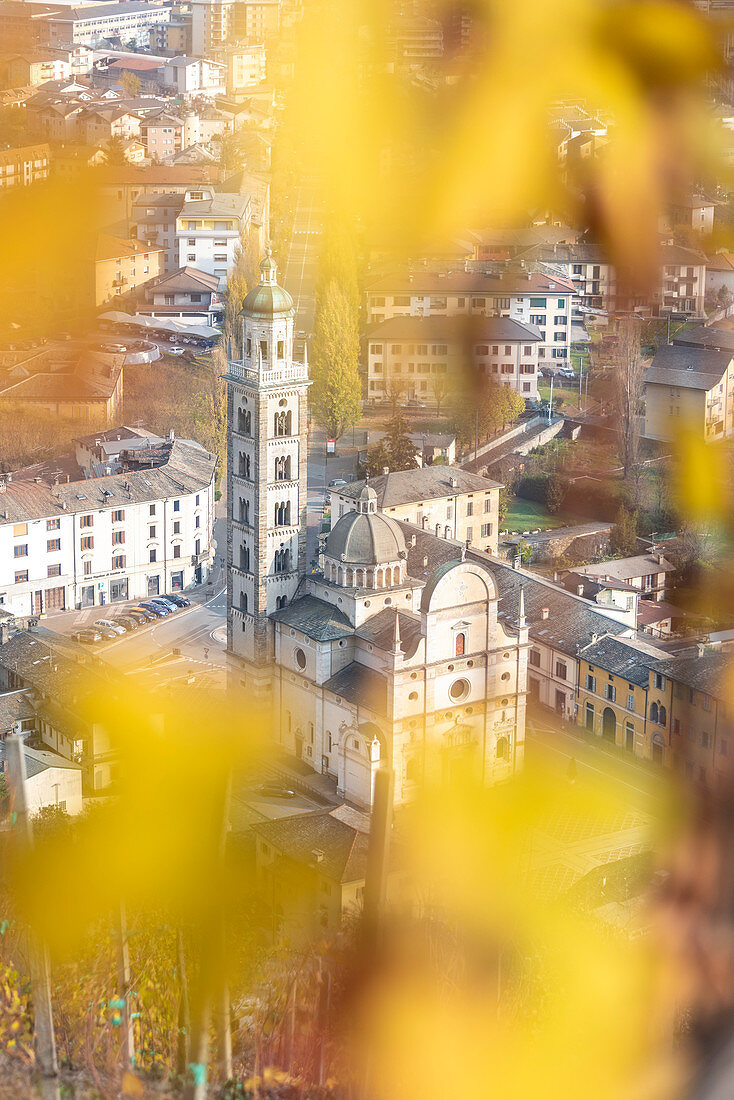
column 618, row 598
column 20, row 167
column 446, row 500
column 121, row 185
column 50, row 779
column 434, row 447
column 64, row 688
column 173, row 37
column 311, row 870
column 694, row 212
column 530, row 298
column 72, row 159
column 246, row 66
column 128, row 516
column 420, row 355
column 720, row 276
column 121, row 265
column 649, row 574
column 209, row 229
column 88, row 389
column 255, row 20
column 188, row 294
column 689, row 388
column 98, row 125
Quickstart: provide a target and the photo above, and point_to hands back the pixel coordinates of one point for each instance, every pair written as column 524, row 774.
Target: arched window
column 662, row 715
column 244, row 511
column 460, row 644
column 283, row 468
column 244, row 422
column 653, row 712
column 245, row 558
column 412, row 769
column 502, row 748
column 243, row 602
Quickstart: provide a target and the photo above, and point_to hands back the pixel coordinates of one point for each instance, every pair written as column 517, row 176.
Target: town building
column 162, row 134
column 86, row 387
column 683, row 284
column 530, row 298
column 649, row 574
column 45, row 63
column 255, row 20
column 121, row 186
column 20, row 167
column 426, row 357
column 246, row 66
column 120, row 265
column 694, row 212
column 128, row 516
column 393, row 650
column 720, row 276
column 50, row 779
column 210, row 228
column 61, row 686
column 689, row 388
column 188, row 76
column 127, row 20
column 173, row 37
column 451, row 502
column 187, row 293
column 154, row 220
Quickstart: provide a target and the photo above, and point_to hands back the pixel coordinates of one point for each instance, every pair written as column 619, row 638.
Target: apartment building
column 445, row 500
column 173, row 37
column 121, row 187
column 683, row 282
column 23, row 166
column 211, row 24
column 424, row 355
column 209, row 229
column 24, row 23
column 689, row 388
column 129, row 515
column 189, row 76
column 188, row 294
column 121, row 265
column 162, row 135
column 256, row 20
column 154, row 220
column 129, row 20
column 530, row 298
column 39, row 65
column 246, row 67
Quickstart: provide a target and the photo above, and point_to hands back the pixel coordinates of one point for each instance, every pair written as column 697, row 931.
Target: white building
column 530, row 298
column 209, row 229
column 129, row 20
column 129, row 516
column 195, row 76
column 393, row 651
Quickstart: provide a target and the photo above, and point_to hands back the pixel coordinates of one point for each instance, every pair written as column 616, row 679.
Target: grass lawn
column 570, row 394
column 528, row 515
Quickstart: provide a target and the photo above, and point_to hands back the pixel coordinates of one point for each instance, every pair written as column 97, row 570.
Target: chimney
column 4, row 631
column 386, row 469
column 413, row 540
column 516, row 561
column 544, row 612
column 318, row 855
column 425, row 560
column 700, row 649
column 579, row 589
column 172, row 435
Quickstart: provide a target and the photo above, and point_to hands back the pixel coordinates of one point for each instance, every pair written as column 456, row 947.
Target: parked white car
column 110, row 625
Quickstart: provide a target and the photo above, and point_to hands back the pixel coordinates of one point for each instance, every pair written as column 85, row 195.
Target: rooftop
column 361, row 686
column 466, row 282
column 315, row 618
column 422, row 483
column 624, row 569
column 455, row 329
column 341, row 847
column 692, row 367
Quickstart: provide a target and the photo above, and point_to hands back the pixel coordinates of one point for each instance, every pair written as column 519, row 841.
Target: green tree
column 400, row 447
column 114, row 151
column 338, row 263
column 504, row 502
column 377, row 460
column 243, row 277
column 555, row 492
column 525, row 551
column 336, row 393
column 623, row 536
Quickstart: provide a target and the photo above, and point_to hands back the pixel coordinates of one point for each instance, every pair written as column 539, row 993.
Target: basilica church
column 393, row 651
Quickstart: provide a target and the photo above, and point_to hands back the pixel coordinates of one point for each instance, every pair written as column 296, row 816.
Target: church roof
column 421, row 483
column 341, row 847
column 365, row 538
column 315, row 618
column 360, row 685
column 380, row 630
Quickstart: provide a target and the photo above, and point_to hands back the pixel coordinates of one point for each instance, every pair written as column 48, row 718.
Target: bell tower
column 266, row 477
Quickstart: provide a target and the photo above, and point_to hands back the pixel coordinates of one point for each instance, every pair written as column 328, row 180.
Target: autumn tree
column 628, row 389
column 623, row 536
column 244, row 275
column 395, row 391
column 336, row 393
column 131, row 84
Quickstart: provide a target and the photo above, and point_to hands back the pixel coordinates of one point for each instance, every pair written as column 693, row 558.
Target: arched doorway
column 658, row 750
column 609, row 725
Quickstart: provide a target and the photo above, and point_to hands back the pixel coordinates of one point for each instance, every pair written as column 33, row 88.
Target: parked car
column 163, row 601
column 128, row 621
column 154, row 609
column 176, row 350
column 180, row 601
column 274, row 790
column 111, row 625
column 140, row 615
column 106, row 631
column 567, row 372
column 87, row 637
column 337, row 483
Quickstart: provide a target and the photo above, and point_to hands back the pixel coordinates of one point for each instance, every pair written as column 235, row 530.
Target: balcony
column 240, row 370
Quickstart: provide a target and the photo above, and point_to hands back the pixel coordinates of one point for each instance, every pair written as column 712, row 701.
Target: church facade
column 392, row 652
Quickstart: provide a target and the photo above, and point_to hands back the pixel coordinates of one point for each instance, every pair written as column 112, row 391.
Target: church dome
column 366, row 538
column 267, row 299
